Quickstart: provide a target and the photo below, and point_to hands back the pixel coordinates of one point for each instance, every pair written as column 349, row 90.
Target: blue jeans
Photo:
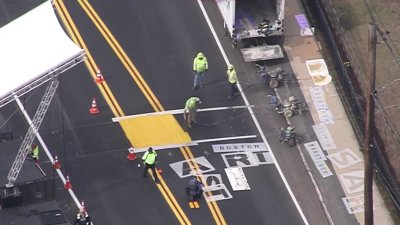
column 198, row 79
column 234, row 89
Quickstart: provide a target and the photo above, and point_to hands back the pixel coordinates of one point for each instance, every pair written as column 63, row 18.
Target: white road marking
column 183, row 168
column 179, row 111
column 253, row 116
column 226, row 138
column 46, row 150
column 236, row 147
column 237, row 179
column 192, row 143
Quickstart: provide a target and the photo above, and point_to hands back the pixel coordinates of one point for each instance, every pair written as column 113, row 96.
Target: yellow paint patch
column 194, row 205
column 191, row 205
column 154, row 130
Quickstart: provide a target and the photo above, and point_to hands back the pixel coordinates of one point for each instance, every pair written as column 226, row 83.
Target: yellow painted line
column 121, row 55
column 166, row 192
column 89, row 62
column 177, row 211
column 140, row 82
column 172, row 201
column 163, row 188
column 215, row 211
column 155, row 130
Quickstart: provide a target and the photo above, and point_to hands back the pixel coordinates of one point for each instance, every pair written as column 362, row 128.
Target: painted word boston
column 246, row 147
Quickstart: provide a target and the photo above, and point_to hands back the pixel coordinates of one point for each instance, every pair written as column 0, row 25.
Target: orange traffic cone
column 93, row 109
column 68, row 184
column 56, row 164
column 99, row 77
column 131, row 155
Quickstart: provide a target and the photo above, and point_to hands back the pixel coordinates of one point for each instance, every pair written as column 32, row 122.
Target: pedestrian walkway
column 332, row 126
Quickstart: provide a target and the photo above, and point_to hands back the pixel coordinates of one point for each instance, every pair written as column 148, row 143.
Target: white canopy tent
column 33, row 49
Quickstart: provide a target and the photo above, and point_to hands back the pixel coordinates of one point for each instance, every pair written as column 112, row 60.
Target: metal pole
column 369, row 129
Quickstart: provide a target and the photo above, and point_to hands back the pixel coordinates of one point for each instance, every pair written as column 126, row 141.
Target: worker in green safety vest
column 189, row 114
column 150, row 159
column 232, row 79
column 35, row 152
column 200, row 67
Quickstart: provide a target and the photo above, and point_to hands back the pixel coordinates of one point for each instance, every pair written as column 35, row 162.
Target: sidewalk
column 335, row 134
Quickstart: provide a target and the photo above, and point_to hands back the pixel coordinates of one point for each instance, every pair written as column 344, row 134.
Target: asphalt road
column 161, row 38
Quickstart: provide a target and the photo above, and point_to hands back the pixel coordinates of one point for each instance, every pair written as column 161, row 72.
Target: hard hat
column 230, row 67
column 200, row 55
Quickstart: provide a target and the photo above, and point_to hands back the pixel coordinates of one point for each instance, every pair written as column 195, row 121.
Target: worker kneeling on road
column 194, row 190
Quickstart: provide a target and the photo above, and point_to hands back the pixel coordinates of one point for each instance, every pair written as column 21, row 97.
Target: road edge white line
column 46, row 150
column 253, row 116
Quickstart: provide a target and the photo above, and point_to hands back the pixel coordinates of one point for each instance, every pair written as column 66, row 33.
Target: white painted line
column 179, row 111
column 183, row 168
column 192, row 143
column 226, row 138
column 160, row 147
column 46, row 150
column 253, row 116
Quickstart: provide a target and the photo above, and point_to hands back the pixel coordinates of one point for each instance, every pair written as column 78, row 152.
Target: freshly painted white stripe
column 180, row 111
column 161, row 147
column 253, row 116
column 193, row 143
column 225, row 138
column 46, row 150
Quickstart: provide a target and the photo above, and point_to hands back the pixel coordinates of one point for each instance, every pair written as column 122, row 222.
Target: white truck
column 258, row 24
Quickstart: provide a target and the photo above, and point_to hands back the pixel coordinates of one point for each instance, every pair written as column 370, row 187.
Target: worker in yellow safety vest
column 150, row 159
column 189, row 114
column 232, row 79
column 35, row 152
column 200, row 67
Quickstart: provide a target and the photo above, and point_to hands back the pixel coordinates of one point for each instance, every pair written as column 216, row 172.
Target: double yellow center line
column 116, row 109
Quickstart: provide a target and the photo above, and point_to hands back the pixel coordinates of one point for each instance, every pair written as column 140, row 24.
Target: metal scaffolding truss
column 33, row 128
column 44, row 56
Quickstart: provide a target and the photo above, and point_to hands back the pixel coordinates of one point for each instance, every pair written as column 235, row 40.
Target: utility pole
column 369, row 129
